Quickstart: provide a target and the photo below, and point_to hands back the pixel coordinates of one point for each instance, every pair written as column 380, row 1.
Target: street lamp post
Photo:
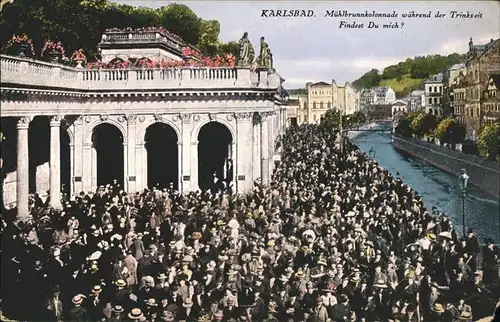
column 371, row 153
column 463, row 180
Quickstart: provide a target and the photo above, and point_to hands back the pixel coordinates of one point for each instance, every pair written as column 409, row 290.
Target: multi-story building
column 457, row 88
column 471, row 97
column 322, row 96
column 348, row 99
column 434, row 95
column 448, row 95
column 385, row 95
column 378, row 95
column 483, row 61
column 368, row 97
column 491, row 105
column 416, row 101
column 297, row 109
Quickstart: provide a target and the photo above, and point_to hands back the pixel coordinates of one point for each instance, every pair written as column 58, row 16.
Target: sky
column 316, row 49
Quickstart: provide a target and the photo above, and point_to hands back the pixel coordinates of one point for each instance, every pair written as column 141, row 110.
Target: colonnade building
column 172, row 127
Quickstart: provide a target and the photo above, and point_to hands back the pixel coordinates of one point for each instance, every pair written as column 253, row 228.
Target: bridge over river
column 438, row 188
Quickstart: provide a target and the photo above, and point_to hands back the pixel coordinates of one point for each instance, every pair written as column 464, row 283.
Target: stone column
column 270, row 144
column 125, row 168
column 243, row 153
column 78, row 160
column 139, row 186
column 179, row 167
column 194, row 165
column 264, row 148
column 93, row 162
column 22, row 168
column 130, row 154
column 87, row 168
column 72, row 166
column 55, row 162
column 188, row 167
column 256, row 163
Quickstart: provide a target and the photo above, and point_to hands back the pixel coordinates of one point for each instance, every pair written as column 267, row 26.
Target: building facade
column 385, row 95
column 297, row 109
column 379, row 95
column 416, row 101
column 470, row 86
column 322, row 96
column 433, row 87
column 491, row 104
column 368, row 97
column 246, row 105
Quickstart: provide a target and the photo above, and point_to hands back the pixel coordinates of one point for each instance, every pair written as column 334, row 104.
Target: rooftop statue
column 246, row 52
column 266, row 57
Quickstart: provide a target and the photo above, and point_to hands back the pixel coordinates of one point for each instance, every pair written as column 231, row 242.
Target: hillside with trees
column 409, row 75
column 80, row 24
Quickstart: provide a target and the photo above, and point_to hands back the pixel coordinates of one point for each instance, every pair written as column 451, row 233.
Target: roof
column 496, row 79
column 482, row 49
column 321, row 83
column 438, row 78
column 457, row 66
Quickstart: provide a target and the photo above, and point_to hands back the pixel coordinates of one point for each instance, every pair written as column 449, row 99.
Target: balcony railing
column 29, row 72
column 434, row 94
column 138, row 38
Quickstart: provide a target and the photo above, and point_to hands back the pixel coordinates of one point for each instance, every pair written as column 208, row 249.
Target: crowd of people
column 333, row 237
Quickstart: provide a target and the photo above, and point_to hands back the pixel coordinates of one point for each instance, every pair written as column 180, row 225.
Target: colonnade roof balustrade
column 30, row 73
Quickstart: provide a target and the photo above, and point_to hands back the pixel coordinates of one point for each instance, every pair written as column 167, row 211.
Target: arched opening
column 107, row 141
column 161, row 146
column 65, row 161
column 215, row 164
column 39, row 154
column 8, row 155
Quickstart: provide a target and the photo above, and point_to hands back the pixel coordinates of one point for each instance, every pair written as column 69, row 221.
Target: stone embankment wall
column 484, row 174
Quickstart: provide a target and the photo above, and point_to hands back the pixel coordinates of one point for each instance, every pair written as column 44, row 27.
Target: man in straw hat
column 78, row 313
column 135, row 314
column 95, row 304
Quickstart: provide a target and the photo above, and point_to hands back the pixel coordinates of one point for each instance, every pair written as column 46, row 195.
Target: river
column 438, row 188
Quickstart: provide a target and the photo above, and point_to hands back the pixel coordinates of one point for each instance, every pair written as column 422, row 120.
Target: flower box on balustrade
column 45, row 75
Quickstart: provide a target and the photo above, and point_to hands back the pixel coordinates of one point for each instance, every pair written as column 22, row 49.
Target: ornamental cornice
column 131, row 96
column 248, row 116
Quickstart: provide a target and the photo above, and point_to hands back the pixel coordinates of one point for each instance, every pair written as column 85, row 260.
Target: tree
column 231, row 47
column 368, row 80
column 182, row 21
column 449, row 130
column 404, row 128
column 209, row 38
column 488, row 141
column 423, row 124
column 331, row 120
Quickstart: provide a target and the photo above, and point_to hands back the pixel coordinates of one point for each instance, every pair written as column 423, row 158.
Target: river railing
column 29, row 72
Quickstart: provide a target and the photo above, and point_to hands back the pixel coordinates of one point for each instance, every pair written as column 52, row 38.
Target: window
column 321, row 105
column 314, row 117
column 477, row 74
column 430, row 101
column 314, row 105
column 329, row 105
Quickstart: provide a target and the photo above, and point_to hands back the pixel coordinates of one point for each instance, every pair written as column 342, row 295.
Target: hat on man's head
column 117, row 309
column 78, row 299
column 135, row 314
